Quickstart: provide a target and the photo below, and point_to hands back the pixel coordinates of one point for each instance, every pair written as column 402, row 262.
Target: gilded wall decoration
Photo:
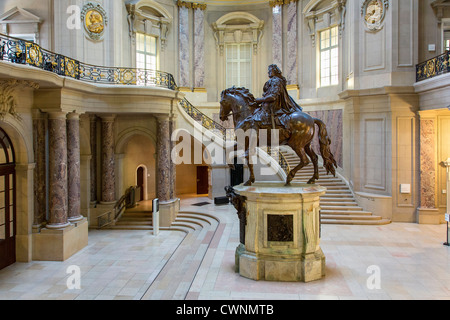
column 374, row 12
column 95, row 20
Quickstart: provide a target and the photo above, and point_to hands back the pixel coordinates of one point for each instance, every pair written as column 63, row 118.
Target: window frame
column 331, row 45
column 145, row 53
column 239, row 61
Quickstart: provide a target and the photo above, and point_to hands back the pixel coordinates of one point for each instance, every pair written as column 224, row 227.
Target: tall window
column 239, row 65
column 329, row 57
column 146, row 52
column 447, row 40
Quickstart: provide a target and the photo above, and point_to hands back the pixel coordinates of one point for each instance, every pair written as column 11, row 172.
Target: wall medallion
column 374, row 12
column 95, row 20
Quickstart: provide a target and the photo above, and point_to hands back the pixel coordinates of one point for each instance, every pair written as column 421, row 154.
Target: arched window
column 238, row 36
column 7, row 201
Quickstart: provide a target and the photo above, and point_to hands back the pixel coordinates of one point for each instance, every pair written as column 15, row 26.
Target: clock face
column 374, row 12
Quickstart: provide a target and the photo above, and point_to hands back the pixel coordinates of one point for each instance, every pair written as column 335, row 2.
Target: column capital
column 108, row 117
column 163, row 117
column 57, row 115
column 73, row 116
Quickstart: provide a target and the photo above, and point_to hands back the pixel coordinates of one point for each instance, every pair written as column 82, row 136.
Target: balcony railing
column 433, row 67
column 28, row 53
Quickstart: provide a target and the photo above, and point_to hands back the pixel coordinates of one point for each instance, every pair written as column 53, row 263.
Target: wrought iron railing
column 206, row 122
column 28, row 53
column 433, row 67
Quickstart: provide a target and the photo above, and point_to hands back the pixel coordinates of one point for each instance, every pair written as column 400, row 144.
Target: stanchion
column 156, row 217
column 447, row 218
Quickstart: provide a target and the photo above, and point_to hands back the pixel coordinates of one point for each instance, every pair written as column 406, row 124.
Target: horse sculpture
column 298, row 133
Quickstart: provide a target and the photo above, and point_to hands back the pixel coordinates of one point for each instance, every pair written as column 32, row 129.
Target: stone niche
column 282, row 232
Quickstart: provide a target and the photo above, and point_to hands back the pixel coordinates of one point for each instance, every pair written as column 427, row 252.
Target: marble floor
column 410, row 259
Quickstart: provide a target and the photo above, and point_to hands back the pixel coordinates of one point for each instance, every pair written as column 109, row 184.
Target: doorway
column 7, row 202
column 202, row 180
column 140, row 183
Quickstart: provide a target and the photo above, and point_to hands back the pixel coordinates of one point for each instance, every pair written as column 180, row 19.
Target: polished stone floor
column 410, row 259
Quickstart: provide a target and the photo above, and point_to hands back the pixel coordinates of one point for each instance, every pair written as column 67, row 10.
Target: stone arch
column 127, row 134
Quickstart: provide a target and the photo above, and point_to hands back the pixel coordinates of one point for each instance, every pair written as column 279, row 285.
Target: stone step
column 356, row 222
column 339, row 204
column 351, row 208
column 345, row 212
column 352, row 217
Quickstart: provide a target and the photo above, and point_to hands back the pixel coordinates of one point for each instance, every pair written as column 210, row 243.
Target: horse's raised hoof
column 312, row 181
column 248, row 184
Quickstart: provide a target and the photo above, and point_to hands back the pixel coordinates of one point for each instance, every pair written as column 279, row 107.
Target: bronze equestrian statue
column 277, row 110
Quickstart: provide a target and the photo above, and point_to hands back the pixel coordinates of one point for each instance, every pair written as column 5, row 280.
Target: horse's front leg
column 252, row 179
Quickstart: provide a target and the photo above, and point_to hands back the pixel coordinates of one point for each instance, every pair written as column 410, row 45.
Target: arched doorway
column 141, row 184
column 7, row 201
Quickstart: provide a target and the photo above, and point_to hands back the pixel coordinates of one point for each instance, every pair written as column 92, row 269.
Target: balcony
column 434, row 67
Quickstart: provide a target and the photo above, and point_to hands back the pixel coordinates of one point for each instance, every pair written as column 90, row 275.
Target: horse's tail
column 329, row 162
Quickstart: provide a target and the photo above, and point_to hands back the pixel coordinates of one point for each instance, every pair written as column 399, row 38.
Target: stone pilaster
column 291, row 43
column 40, row 192
column 73, row 161
column 277, row 36
column 108, row 161
column 184, row 47
column 93, row 165
column 199, row 48
column 58, row 201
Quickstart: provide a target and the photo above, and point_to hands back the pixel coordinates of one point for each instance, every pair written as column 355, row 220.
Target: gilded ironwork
column 25, row 52
column 433, row 67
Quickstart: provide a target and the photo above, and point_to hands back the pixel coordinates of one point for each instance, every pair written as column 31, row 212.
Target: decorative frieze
column 191, row 5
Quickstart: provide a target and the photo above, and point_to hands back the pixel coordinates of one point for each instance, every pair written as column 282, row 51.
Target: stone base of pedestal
column 430, row 216
column 281, row 267
column 168, row 212
column 59, row 245
column 282, row 233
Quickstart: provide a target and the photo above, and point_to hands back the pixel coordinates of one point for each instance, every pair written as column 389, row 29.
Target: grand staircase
column 338, row 205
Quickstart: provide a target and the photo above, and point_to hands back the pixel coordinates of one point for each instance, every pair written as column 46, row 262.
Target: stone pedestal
column 282, row 232
column 60, row 244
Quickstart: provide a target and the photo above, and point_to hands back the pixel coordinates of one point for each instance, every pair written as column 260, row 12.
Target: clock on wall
column 373, row 12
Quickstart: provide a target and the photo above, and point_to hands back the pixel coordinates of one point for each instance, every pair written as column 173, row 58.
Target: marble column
column 108, row 161
column 58, row 200
column 173, row 169
column 74, row 166
column 427, row 164
column 199, row 48
column 184, row 48
column 164, row 163
column 40, row 191
column 93, row 165
column 277, row 36
column 291, row 43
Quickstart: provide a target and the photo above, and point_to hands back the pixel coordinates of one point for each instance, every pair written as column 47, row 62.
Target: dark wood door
column 202, row 180
column 140, row 182
column 7, row 216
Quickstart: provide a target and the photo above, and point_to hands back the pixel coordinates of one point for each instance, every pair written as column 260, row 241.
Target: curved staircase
column 338, row 205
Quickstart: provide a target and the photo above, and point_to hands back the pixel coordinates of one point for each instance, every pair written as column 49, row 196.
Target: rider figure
column 276, row 103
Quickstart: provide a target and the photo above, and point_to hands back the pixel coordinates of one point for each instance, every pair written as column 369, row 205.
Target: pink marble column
column 427, row 164
column 40, row 192
column 108, row 161
column 58, row 201
column 73, row 161
column 164, row 164
column 93, row 165
column 173, row 171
